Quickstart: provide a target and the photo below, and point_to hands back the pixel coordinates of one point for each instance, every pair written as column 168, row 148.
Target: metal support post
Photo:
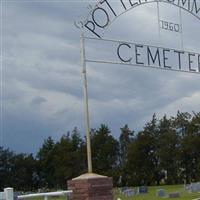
column 181, row 26
column 158, row 18
column 86, row 108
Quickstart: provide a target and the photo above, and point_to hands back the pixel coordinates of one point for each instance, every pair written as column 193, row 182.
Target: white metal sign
column 105, row 12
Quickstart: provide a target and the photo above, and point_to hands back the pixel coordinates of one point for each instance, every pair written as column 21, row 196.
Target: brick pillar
column 91, row 187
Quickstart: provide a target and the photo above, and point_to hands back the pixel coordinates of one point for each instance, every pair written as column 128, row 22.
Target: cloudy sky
column 41, row 72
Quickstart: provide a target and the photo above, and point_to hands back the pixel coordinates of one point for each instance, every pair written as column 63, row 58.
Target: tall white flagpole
column 86, row 107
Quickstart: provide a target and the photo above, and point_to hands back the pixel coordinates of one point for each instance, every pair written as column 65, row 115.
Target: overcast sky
column 41, row 72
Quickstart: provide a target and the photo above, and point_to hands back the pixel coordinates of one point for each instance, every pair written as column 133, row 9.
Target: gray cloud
column 42, row 83
column 38, row 100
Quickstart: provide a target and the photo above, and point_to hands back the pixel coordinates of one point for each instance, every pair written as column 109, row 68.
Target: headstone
column 187, row 187
column 2, row 196
column 16, row 196
column 91, row 187
column 195, row 187
column 9, row 193
column 174, row 195
column 143, row 189
column 123, row 189
column 129, row 192
column 160, row 193
column 137, row 190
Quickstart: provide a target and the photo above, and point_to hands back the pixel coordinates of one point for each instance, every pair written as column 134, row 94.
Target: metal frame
column 135, row 65
column 122, row 41
column 84, row 73
column 80, row 25
column 86, row 107
column 46, row 195
column 130, row 64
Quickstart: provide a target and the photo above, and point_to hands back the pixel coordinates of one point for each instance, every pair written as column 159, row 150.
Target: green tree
column 143, row 161
column 24, row 173
column 168, row 152
column 190, row 152
column 140, row 163
column 105, row 151
column 181, row 122
column 125, row 139
column 69, row 158
column 6, row 157
column 46, row 163
column 151, row 129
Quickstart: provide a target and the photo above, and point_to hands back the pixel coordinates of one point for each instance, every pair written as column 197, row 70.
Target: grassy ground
column 151, row 195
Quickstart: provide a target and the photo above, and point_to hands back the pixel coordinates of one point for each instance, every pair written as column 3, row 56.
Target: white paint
column 2, row 195
column 7, row 194
column 46, row 195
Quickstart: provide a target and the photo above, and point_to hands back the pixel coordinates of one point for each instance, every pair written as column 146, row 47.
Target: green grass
column 151, row 195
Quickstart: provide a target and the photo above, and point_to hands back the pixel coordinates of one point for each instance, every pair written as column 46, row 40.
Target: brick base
column 91, row 187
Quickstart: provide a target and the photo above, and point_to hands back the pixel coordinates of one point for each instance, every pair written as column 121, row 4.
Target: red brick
column 91, row 189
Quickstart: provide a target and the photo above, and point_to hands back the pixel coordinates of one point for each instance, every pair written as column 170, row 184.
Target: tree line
column 166, row 151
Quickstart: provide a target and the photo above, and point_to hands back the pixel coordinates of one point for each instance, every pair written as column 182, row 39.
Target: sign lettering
column 105, row 13
column 145, row 55
column 170, row 26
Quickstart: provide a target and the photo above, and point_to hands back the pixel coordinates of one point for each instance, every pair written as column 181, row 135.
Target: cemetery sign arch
column 103, row 14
